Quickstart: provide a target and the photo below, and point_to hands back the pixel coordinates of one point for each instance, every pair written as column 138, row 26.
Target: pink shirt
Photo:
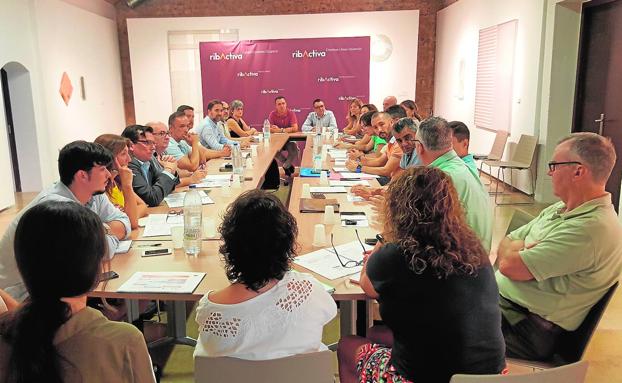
column 283, row 121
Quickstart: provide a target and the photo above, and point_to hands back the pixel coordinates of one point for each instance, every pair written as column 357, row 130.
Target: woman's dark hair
column 410, row 104
column 424, row 217
column 64, row 260
column 259, row 239
column 115, row 144
column 370, row 107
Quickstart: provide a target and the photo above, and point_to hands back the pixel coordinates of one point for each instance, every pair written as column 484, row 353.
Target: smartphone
column 350, row 222
column 225, row 169
column 371, row 241
column 108, row 275
column 156, row 252
column 318, row 195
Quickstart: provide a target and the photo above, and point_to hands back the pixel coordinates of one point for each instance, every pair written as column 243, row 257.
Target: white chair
column 315, row 367
column 496, row 152
column 570, row 373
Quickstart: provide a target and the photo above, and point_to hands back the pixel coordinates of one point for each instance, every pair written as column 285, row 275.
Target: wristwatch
column 358, row 168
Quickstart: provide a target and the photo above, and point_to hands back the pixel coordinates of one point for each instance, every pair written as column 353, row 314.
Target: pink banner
column 301, row 70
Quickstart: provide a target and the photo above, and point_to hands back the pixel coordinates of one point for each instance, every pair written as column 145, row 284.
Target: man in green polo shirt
column 555, row 268
column 434, row 148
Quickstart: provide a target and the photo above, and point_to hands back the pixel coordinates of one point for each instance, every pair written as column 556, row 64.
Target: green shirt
column 378, row 141
column 578, row 256
column 470, row 161
column 473, row 197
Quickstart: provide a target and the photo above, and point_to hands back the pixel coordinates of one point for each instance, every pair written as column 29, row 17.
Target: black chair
column 572, row 345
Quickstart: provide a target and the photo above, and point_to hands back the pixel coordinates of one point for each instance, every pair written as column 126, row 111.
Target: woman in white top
column 268, row 311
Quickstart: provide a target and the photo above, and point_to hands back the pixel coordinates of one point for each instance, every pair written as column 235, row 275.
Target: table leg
column 176, row 316
column 347, row 317
column 133, row 312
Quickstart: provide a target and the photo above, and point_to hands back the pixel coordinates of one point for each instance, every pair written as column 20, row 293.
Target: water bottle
column 193, row 214
column 236, row 156
column 317, row 152
column 266, row 130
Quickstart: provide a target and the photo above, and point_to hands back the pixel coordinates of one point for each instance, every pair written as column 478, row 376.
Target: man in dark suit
column 152, row 180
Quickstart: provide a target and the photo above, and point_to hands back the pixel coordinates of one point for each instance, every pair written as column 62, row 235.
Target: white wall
column 457, row 36
column 48, row 37
column 148, row 43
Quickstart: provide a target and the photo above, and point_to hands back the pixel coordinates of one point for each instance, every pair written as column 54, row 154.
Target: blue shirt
column 177, row 149
column 328, row 120
column 409, row 160
column 211, row 136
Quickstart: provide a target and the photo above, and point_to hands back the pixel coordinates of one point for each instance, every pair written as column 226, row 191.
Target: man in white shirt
column 319, row 118
column 84, row 175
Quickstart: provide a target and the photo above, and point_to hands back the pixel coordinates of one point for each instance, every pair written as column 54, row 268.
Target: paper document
column 176, row 200
column 327, row 189
column 354, row 198
column 325, row 262
column 162, row 282
column 340, row 170
column 215, row 181
column 123, row 247
column 348, row 183
column 160, row 224
column 329, row 289
column 358, row 175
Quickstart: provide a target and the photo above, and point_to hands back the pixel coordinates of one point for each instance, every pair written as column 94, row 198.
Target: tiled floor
column 604, row 352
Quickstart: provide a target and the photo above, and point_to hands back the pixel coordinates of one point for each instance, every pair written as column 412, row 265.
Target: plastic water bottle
column 238, row 164
column 317, row 152
column 266, row 130
column 193, row 226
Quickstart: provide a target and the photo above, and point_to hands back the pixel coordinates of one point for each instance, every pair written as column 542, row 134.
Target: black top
column 231, row 132
column 441, row 327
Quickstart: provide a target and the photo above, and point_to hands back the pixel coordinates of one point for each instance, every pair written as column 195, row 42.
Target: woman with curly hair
column 436, row 290
column 268, row 311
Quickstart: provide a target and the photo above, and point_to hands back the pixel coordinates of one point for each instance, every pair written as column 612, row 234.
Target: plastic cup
column 235, row 183
column 209, row 228
column 177, row 233
column 253, row 150
column 323, row 178
column 329, row 215
column 306, row 191
column 319, row 236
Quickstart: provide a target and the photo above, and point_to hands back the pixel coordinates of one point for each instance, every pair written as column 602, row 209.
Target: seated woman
column 268, row 311
column 120, row 191
column 436, row 289
column 411, row 109
column 53, row 336
column 235, row 124
column 354, row 113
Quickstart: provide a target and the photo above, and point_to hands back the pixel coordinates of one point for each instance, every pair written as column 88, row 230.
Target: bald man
column 388, row 102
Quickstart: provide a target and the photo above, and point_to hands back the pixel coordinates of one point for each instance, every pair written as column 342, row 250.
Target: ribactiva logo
column 222, row 56
column 313, row 54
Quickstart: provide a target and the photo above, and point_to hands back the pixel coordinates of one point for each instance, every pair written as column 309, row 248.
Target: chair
column 572, row 345
column 571, row 373
column 315, row 367
column 521, row 160
column 496, row 152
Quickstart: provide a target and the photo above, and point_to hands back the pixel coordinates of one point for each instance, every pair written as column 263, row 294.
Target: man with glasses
column 152, row 180
column 320, row 117
column 552, row 270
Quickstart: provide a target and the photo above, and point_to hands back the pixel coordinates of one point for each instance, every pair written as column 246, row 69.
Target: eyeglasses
column 349, row 263
column 406, row 139
column 162, row 134
column 147, row 142
column 553, row 165
column 173, row 213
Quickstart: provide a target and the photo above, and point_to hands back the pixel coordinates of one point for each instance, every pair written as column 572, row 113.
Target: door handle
column 601, row 124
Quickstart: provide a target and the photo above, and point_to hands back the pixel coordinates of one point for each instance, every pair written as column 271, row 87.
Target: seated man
column 387, row 165
column 369, row 144
column 461, row 139
column 283, row 120
column 152, row 181
column 556, row 267
column 210, row 134
column 162, row 140
column 184, row 145
column 319, row 118
column 84, row 175
column 189, row 112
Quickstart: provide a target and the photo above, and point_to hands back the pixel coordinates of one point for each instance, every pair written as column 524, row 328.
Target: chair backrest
column 315, row 367
column 572, row 345
column 498, row 146
column 570, row 373
column 525, row 149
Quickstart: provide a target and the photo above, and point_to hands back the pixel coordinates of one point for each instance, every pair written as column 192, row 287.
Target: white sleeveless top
column 286, row 320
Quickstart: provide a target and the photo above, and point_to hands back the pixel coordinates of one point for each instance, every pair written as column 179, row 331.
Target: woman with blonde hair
column 436, row 289
column 120, row 191
column 353, row 127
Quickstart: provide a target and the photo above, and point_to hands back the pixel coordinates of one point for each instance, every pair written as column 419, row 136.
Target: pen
column 151, row 245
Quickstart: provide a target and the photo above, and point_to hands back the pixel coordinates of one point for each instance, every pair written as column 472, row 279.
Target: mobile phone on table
column 318, row 195
column 156, row 252
column 108, row 275
column 371, row 241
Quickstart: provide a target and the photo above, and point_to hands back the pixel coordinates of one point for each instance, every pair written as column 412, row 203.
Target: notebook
column 316, row 205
